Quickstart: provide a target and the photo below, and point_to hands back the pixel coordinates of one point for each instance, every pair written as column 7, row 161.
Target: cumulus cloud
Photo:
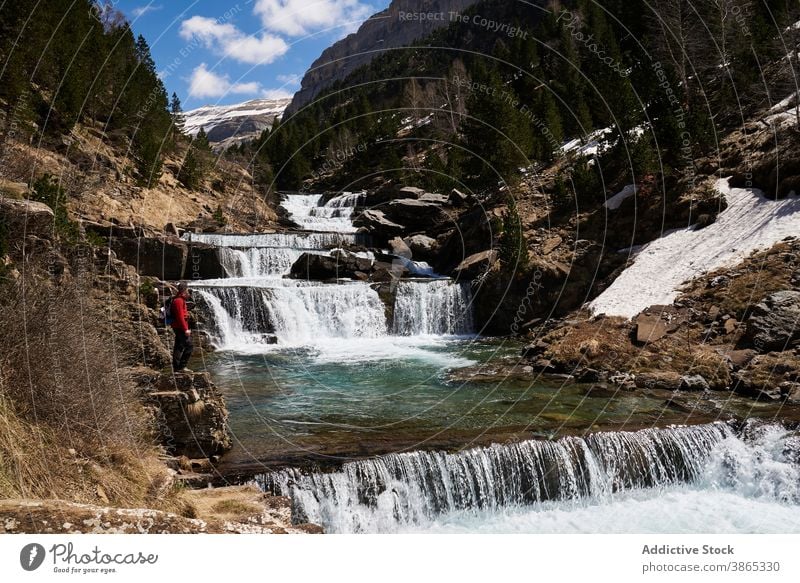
column 228, row 41
column 301, row 17
column 204, row 83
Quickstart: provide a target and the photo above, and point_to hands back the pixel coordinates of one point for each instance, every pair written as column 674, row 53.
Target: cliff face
column 402, row 23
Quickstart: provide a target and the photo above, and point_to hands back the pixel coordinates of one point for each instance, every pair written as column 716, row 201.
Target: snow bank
column 616, row 201
column 751, row 222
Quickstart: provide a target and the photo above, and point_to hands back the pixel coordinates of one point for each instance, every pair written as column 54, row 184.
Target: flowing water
column 322, row 373
column 705, row 478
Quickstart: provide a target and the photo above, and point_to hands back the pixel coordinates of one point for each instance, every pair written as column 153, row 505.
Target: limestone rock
column 162, row 256
column 378, row 225
column 775, row 322
column 422, row 247
column 26, row 217
column 694, row 383
column 416, row 214
column 190, row 413
column 551, row 244
column 476, row 264
column 203, row 262
column 649, row 328
column 339, row 264
column 398, row 247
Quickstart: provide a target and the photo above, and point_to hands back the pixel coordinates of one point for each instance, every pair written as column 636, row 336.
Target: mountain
column 401, row 24
column 229, row 125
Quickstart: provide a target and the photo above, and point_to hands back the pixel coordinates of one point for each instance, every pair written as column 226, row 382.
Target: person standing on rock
column 179, row 313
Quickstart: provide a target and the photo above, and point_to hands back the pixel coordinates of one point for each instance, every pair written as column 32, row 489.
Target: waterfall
column 382, row 493
column 304, row 241
column 295, row 312
column 311, row 214
column 257, row 262
column 439, row 307
column 238, row 315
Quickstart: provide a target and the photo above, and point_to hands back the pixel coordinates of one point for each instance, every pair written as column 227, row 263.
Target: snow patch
column 750, row 223
column 616, row 201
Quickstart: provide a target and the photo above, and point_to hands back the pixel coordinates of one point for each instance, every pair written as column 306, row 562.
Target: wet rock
column 694, row 383
column 624, row 380
column 476, row 264
column 190, row 414
column 203, row 262
column 385, row 272
column 26, row 217
column 667, row 380
column 163, row 257
column 339, row 264
column 775, row 322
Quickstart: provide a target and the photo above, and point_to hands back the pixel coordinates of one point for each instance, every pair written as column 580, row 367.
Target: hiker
column 178, row 314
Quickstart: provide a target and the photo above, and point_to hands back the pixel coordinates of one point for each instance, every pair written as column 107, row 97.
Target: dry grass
column 71, row 426
column 606, row 344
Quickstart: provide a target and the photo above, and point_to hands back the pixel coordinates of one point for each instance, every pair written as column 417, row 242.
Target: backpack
column 166, row 311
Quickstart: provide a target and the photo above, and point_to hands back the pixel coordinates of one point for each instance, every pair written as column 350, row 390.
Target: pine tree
column 513, row 246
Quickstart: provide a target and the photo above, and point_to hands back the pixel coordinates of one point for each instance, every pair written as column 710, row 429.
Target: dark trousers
column 182, row 351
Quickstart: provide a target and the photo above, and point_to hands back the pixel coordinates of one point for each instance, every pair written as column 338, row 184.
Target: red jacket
column 180, row 315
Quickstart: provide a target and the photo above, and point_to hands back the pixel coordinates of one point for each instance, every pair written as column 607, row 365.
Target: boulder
column 434, row 198
column 26, row 217
column 476, row 264
column 551, row 244
column 409, row 192
column 417, row 215
column 422, row 247
column 191, row 415
column 694, row 383
column 774, row 323
column 378, row 225
column 385, row 272
column 339, row 264
column 649, row 328
column 457, row 198
column 398, row 247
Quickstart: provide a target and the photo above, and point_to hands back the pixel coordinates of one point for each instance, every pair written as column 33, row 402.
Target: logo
column 31, row 556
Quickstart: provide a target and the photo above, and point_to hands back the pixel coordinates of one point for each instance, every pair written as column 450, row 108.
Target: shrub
column 58, row 368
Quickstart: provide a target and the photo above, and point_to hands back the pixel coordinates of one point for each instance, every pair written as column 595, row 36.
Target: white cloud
column 142, row 10
column 229, row 41
column 204, row 83
column 291, row 80
column 301, row 17
column 276, row 94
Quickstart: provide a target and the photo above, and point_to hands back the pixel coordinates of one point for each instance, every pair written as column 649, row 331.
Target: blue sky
column 228, row 51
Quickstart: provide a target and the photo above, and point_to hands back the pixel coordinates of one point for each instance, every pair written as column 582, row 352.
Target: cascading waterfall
column 385, row 493
column 257, row 262
column 311, row 214
column 295, row 312
column 438, row 307
column 302, row 241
